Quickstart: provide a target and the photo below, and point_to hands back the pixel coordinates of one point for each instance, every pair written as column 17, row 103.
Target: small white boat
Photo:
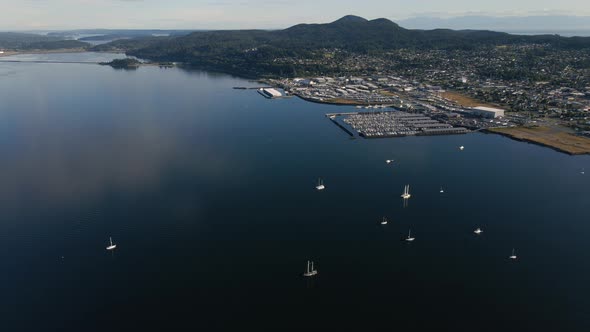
column 478, row 231
column 513, row 256
column 310, row 272
column 441, row 190
column 389, row 161
column 582, row 172
column 384, row 221
column 406, row 193
column 461, row 148
column 111, row 246
column 320, row 185
column 410, row 238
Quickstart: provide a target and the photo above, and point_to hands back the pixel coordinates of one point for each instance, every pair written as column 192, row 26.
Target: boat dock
column 384, row 124
column 333, row 119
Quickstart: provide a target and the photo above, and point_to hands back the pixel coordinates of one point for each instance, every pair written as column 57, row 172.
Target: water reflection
column 60, row 150
column 208, row 191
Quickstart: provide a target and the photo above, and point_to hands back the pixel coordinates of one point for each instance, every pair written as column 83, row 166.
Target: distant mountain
column 112, row 34
column 241, row 50
column 28, row 41
column 547, row 24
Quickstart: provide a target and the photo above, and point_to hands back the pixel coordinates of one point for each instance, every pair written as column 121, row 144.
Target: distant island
column 127, row 63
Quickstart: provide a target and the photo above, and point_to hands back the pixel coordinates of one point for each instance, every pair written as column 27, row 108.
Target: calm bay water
column 209, row 194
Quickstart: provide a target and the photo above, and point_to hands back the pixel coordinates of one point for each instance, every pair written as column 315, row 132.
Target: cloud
column 241, row 14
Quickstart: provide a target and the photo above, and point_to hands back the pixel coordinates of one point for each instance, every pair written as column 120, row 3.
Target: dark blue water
column 209, row 194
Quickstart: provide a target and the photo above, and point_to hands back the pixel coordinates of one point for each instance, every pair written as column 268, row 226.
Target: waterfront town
column 551, row 83
column 502, row 89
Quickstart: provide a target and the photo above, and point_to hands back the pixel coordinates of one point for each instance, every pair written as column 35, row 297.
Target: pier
column 333, row 119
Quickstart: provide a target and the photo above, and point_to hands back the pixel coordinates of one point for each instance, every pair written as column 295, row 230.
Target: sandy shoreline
column 67, row 50
column 558, row 140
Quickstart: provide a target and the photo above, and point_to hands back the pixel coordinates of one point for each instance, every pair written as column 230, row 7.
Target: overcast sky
column 240, row 14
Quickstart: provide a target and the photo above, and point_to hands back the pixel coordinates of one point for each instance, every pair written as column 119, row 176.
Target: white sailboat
column 410, row 238
column 406, row 193
column 513, row 256
column 310, row 272
column 478, row 231
column 441, row 190
column 320, row 185
column 384, row 221
column 112, row 245
column 389, row 161
column 461, row 148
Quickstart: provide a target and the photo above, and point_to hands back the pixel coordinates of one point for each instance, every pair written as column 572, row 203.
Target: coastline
column 329, row 102
column 63, row 50
column 564, row 142
column 559, row 139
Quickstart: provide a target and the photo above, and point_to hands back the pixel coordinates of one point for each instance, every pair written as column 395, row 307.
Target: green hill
column 252, row 52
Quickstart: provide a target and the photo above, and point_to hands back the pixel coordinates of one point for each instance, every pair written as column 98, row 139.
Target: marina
column 382, row 124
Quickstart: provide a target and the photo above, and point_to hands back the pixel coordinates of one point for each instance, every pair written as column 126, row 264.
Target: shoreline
column 63, row 50
column 520, row 138
column 560, row 141
column 331, row 102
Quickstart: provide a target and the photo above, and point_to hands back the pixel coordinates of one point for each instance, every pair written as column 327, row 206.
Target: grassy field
column 463, row 100
column 554, row 137
column 342, row 101
column 388, row 93
column 61, row 50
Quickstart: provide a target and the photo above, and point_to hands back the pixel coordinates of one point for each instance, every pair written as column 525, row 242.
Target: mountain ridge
column 260, row 48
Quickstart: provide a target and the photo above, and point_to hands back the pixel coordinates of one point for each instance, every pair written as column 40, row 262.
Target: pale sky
column 243, row 14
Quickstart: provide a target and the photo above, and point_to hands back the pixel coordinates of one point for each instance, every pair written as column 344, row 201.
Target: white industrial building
column 270, row 93
column 488, row 112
